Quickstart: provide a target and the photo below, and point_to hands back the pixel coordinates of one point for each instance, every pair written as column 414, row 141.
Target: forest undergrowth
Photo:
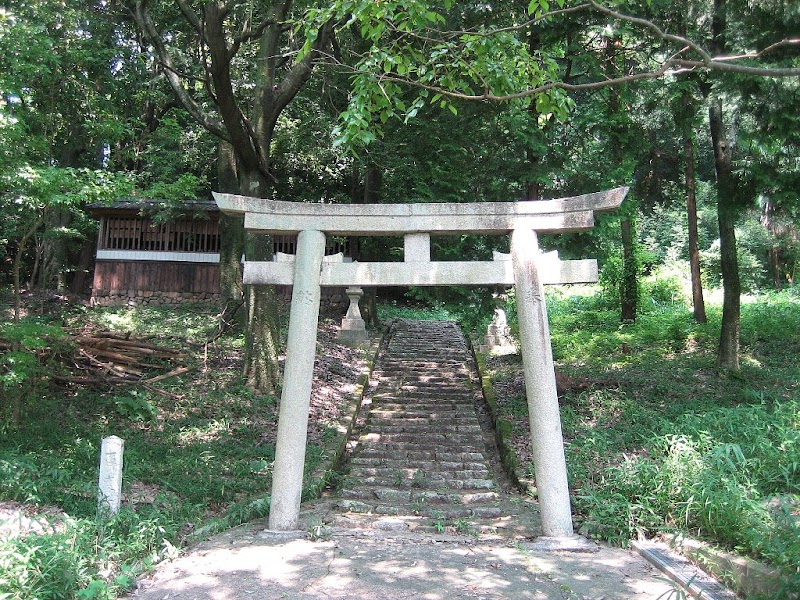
column 198, row 448
column 659, row 443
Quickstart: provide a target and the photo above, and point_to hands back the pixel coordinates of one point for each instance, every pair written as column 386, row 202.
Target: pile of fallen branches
column 106, row 358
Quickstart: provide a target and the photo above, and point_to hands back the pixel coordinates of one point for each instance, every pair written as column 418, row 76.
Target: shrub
column 26, row 364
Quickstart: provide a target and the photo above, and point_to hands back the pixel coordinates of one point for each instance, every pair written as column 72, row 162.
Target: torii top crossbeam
column 417, row 222
column 543, row 216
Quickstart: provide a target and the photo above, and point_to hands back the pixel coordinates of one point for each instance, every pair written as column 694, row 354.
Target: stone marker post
column 110, row 481
column 301, row 348
column 547, row 443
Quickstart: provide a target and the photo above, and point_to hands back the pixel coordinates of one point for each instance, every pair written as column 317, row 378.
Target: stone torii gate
column 526, row 268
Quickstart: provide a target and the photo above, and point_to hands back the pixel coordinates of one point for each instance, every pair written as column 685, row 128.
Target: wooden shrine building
column 142, row 260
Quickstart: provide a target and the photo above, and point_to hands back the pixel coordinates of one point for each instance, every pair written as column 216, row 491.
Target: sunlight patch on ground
column 207, row 432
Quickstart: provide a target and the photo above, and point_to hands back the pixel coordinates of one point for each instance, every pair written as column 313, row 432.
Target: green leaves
column 418, row 56
column 537, row 8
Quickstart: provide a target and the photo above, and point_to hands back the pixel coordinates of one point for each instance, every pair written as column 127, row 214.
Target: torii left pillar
column 301, row 348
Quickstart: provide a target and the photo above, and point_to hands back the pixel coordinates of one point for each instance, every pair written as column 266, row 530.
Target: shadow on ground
column 246, row 562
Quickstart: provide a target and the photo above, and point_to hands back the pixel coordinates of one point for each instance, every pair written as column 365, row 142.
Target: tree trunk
column 79, row 282
column 261, row 369
column 629, row 285
column 688, row 111
column 373, row 178
column 262, row 340
column 18, row 265
column 232, row 244
column 775, row 263
column 52, row 253
column 231, row 230
column 728, row 351
column 698, row 302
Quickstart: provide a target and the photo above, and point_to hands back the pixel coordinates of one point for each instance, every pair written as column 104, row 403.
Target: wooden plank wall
column 139, row 233
column 156, row 276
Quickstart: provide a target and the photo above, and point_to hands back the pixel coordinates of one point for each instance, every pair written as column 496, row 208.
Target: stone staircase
column 422, row 458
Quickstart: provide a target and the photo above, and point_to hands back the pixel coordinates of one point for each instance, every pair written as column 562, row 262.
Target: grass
column 659, row 442
column 388, row 311
column 199, row 454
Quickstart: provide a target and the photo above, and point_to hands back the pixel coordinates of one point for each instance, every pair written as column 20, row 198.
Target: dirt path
column 248, row 562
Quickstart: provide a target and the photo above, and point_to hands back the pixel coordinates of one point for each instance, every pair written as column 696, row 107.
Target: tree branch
column 232, row 116
column 145, row 23
column 707, row 60
column 569, row 87
column 191, row 16
column 247, row 34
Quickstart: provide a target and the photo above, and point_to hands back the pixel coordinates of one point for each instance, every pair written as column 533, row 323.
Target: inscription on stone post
column 110, row 480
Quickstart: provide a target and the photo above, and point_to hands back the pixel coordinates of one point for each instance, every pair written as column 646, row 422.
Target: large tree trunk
column 728, row 352
column 263, row 337
column 698, row 302
column 231, row 230
column 232, row 243
column 261, row 370
column 17, row 265
column 52, row 254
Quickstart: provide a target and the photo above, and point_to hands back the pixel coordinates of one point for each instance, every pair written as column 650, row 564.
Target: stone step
column 429, row 376
column 430, row 449
column 429, row 367
column 420, row 455
column 437, row 484
column 412, row 409
column 435, row 391
column 443, row 407
column 432, row 395
column 433, row 443
column 440, row 511
column 416, row 496
column 421, row 429
column 455, row 480
column 462, row 414
column 409, row 401
column 389, row 424
column 424, row 358
column 424, row 465
column 440, row 439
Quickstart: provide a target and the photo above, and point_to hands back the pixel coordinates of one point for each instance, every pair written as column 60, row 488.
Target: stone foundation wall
column 147, row 297
column 330, row 298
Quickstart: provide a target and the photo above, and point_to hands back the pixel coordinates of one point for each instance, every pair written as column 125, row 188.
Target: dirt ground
column 346, row 564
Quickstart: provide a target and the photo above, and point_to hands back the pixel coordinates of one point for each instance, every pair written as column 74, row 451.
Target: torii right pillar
column 547, row 442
